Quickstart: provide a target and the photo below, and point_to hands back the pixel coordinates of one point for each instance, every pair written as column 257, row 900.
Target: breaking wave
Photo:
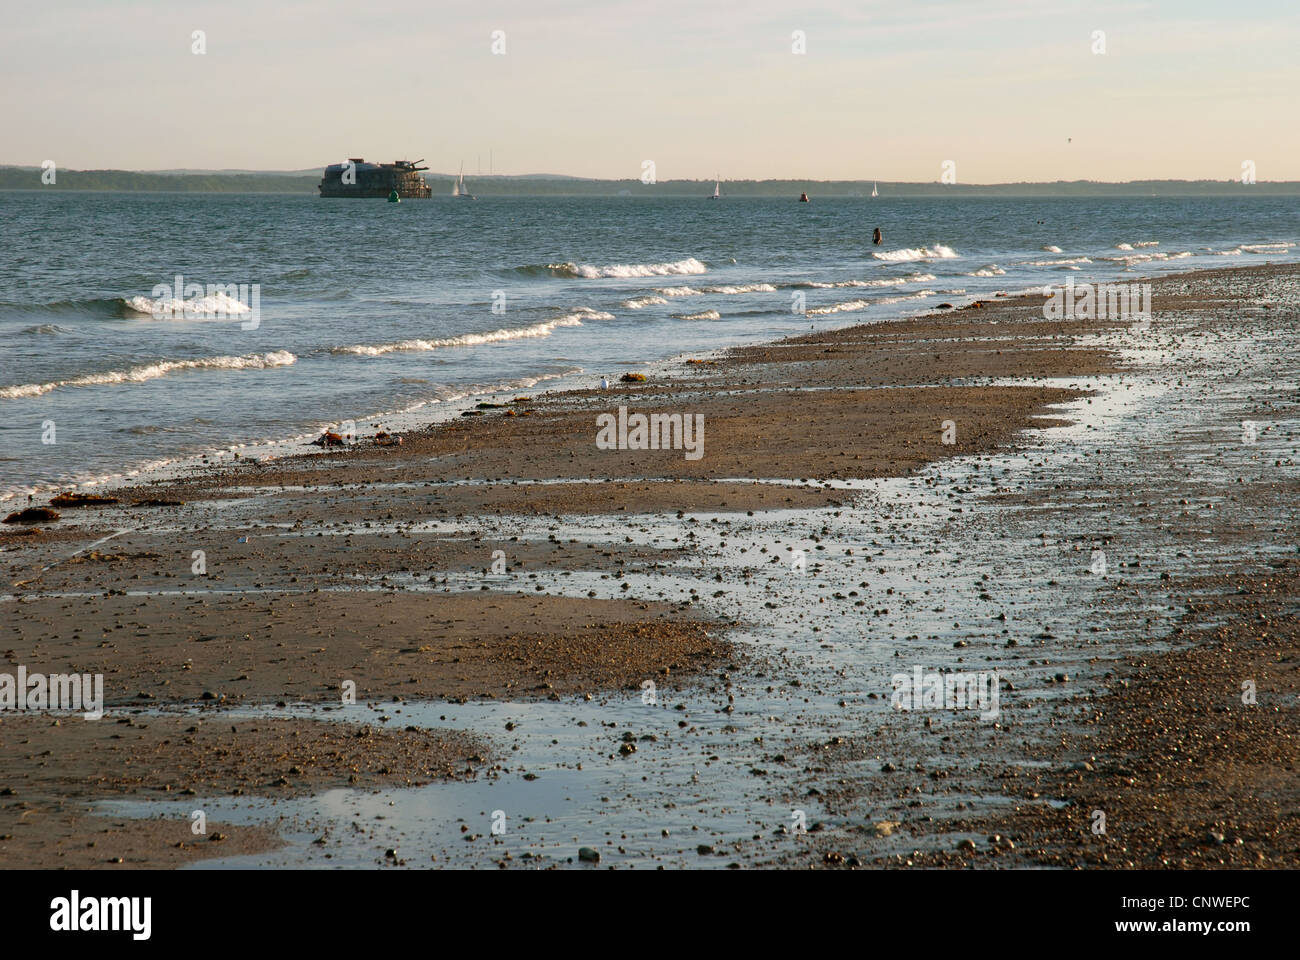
column 543, row 329
column 992, row 270
column 587, row 271
column 939, row 252
column 919, row 295
column 151, row 371
column 637, row 303
column 1133, row 258
column 847, row 306
column 702, row 315
column 878, row 282
column 729, row 289
column 218, row 305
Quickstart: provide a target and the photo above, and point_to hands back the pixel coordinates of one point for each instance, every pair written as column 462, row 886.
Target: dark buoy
column 877, row 236
column 393, row 197
column 803, row 198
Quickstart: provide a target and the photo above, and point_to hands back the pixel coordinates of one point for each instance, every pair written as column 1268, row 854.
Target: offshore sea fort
column 359, row 179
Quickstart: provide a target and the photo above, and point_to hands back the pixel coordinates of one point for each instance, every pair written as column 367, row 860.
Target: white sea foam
column 151, row 371
column 399, row 421
column 1123, row 246
column 1133, row 258
column 853, row 305
column 216, row 306
column 1051, row 248
column 702, row 315
column 919, row 295
column 1147, row 243
column 992, row 270
column 729, row 289
column 878, row 282
column 637, row 303
column 732, row 289
column 844, row 307
column 1266, row 247
column 1054, row 263
column 938, row 252
column 589, row 271
column 543, row 329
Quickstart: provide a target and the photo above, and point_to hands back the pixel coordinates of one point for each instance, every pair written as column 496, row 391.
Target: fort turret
column 357, row 178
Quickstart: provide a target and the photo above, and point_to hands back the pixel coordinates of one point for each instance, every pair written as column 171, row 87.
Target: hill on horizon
column 14, row 177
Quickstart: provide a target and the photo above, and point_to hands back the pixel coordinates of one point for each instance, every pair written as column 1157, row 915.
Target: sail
column 716, row 189
column 873, row 191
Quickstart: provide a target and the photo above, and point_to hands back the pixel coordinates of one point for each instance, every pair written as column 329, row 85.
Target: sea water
column 366, row 308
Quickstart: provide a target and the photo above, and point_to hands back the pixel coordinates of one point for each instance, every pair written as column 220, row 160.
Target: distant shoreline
column 14, row 178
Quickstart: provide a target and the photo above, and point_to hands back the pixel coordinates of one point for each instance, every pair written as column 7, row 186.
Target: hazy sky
column 886, row 90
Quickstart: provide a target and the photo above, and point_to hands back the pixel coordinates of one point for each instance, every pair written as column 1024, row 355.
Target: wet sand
column 54, row 767
column 371, row 564
column 1184, row 759
column 243, row 648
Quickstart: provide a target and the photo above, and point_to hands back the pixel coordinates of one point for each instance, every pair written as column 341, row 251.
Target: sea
column 142, row 332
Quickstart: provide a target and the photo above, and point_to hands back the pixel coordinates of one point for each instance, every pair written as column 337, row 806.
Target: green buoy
column 394, row 198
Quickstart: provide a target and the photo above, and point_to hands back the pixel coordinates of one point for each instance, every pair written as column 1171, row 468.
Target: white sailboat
column 874, row 192
column 458, row 188
column 717, row 189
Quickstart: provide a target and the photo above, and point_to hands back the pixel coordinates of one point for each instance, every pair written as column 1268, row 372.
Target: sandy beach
column 504, row 557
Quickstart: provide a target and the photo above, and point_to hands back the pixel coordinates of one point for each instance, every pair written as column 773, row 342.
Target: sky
column 1003, row 90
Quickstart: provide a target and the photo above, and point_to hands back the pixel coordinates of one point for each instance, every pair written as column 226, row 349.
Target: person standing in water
column 877, row 236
